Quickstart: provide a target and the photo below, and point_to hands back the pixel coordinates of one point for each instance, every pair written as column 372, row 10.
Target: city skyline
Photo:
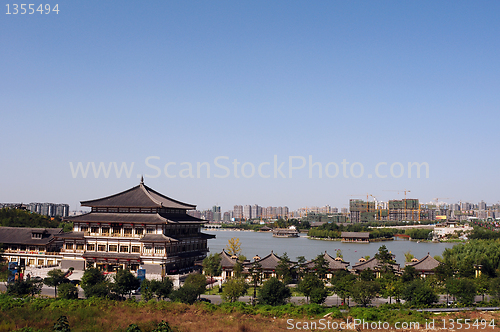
column 280, row 104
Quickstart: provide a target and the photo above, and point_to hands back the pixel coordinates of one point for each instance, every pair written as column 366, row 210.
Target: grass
column 40, row 314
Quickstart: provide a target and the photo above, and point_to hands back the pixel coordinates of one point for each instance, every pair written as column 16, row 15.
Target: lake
column 261, row 243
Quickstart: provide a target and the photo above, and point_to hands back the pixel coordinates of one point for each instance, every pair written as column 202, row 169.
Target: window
column 90, row 247
column 123, row 248
column 158, row 250
column 79, row 246
column 32, row 249
column 105, row 230
column 94, row 229
column 101, row 247
column 147, row 249
column 69, row 246
column 113, row 247
column 84, row 229
column 136, row 249
column 150, row 230
column 116, row 230
column 139, row 231
column 40, row 262
column 127, row 231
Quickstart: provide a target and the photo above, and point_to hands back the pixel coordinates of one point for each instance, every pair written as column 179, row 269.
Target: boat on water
column 286, row 232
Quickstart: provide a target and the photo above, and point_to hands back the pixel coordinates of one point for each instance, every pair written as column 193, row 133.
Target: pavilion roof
column 226, row 260
column 333, row 264
column 157, row 238
column 135, row 218
column 269, row 262
column 139, row 196
column 356, row 235
column 428, row 263
column 24, row 235
column 372, row 264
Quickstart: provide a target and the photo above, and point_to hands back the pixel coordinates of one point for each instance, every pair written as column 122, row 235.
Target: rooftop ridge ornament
column 142, row 180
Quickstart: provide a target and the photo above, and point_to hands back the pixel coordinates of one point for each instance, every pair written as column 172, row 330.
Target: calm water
column 255, row 243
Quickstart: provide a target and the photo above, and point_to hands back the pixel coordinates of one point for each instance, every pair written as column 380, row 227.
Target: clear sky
column 364, row 82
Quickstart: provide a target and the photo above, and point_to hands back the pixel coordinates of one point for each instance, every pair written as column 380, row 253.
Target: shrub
column 68, row 291
column 188, row 294
column 274, row 292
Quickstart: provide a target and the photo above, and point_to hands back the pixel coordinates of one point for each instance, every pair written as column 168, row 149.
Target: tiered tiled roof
column 24, row 236
column 426, row 264
column 138, row 196
column 333, row 264
column 371, row 264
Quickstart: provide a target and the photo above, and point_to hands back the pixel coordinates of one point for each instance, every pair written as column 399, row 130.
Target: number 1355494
column 30, row 8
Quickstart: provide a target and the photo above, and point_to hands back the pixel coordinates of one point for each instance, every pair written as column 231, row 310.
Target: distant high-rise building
column 482, row 205
column 216, row 213
column 256, row 211
column 247, row 212
column 226, row 217
column 238, row 212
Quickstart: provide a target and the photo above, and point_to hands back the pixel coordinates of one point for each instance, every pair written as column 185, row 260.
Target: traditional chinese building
column 135, row 228
column 334, row 264
column 31, row 246
column 424, row 266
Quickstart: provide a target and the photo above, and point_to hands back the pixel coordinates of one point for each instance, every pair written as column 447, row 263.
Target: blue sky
column 360, row 81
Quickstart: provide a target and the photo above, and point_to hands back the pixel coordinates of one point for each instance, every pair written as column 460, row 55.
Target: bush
column 274, row 292
column 188, row 294
column 62, row 325
column 233, row 289
column 318, row 295
column 68, row 291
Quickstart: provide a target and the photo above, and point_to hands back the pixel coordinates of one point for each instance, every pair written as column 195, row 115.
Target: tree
column 68, row 291
column 367, row 275
column 364, row 292
column 274, row 292
column 464, row 290
column 54, row 279
column 342, row 283
column 408, row 256
column 494, row 289
column 482, row 285
column 94, row 283
column 255, row 273
column 212, row 265
column 385, row 259
column 238, row 269
column 188, row 294
column 147, row 289
column 318, row 295
column 25, row 287
column 163, row 288
column 233, row 247
column 199, row 281
column 338, row 254
column 233, row 289
column 307, row 285
column 125, row 282
column 419, row 293
column 301, row 267
column 409, row 274
column 284, row 269
column 321, row 266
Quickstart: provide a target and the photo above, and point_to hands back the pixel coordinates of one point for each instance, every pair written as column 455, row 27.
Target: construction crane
column 438, row 198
